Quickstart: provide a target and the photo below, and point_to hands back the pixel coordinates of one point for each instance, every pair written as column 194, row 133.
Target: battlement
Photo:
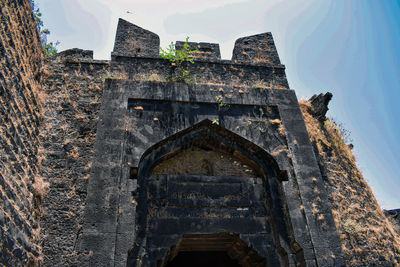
column 256, row 48
column 133, row 41
column 204, row 50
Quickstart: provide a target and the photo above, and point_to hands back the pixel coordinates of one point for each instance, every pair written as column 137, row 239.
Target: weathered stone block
column 258, row 48
column 206, row 51
column 131, row 40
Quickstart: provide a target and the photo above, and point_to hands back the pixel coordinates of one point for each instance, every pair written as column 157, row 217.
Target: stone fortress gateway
column 220, row 172
column 216, row 171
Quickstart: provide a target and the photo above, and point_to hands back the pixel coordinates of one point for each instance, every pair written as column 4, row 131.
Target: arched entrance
column 206, row 193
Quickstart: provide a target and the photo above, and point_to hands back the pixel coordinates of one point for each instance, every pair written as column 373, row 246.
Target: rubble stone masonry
column 20, row 185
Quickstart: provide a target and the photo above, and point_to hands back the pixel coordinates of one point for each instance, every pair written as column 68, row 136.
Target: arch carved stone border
column 234, row 144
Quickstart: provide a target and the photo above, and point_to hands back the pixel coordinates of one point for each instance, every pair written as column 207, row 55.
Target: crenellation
column 74, row 53
column 258, row 48
column 204, row 51
column 131, row 40
column 262, row 76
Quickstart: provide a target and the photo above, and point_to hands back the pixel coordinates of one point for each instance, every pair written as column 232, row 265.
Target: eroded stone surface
column 203, row 50
column 73, row 86
column 395, row 214
column 319, row 105
column 256, row 48
column 131, row 40
column 21, row 186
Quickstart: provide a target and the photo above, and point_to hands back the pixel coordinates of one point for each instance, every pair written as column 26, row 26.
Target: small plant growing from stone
column 178, row 58
column 261, row 121
column 351, row 227
column 220, row 102
column 261, row 85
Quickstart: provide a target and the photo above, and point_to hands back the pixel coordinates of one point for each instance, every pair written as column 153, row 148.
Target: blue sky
column 348, row 47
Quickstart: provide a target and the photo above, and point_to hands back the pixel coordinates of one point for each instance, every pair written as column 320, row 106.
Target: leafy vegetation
column 49, row 48
column 178, row 58
column 220, row 102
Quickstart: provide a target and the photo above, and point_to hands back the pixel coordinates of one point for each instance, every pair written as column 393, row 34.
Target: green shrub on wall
column 49, row 48
column 177, row 59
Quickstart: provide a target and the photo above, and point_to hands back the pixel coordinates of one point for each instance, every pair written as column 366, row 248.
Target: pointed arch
column 209, row 135
column 206, row 136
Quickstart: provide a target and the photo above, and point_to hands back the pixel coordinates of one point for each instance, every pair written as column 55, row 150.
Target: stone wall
column 368, row 237
column 394, row 217
column 20, row 185
column 48, row 124
column 73, row 87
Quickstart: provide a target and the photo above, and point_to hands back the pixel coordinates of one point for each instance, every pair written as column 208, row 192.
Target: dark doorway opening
column 212, row 250
column 203, row 259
